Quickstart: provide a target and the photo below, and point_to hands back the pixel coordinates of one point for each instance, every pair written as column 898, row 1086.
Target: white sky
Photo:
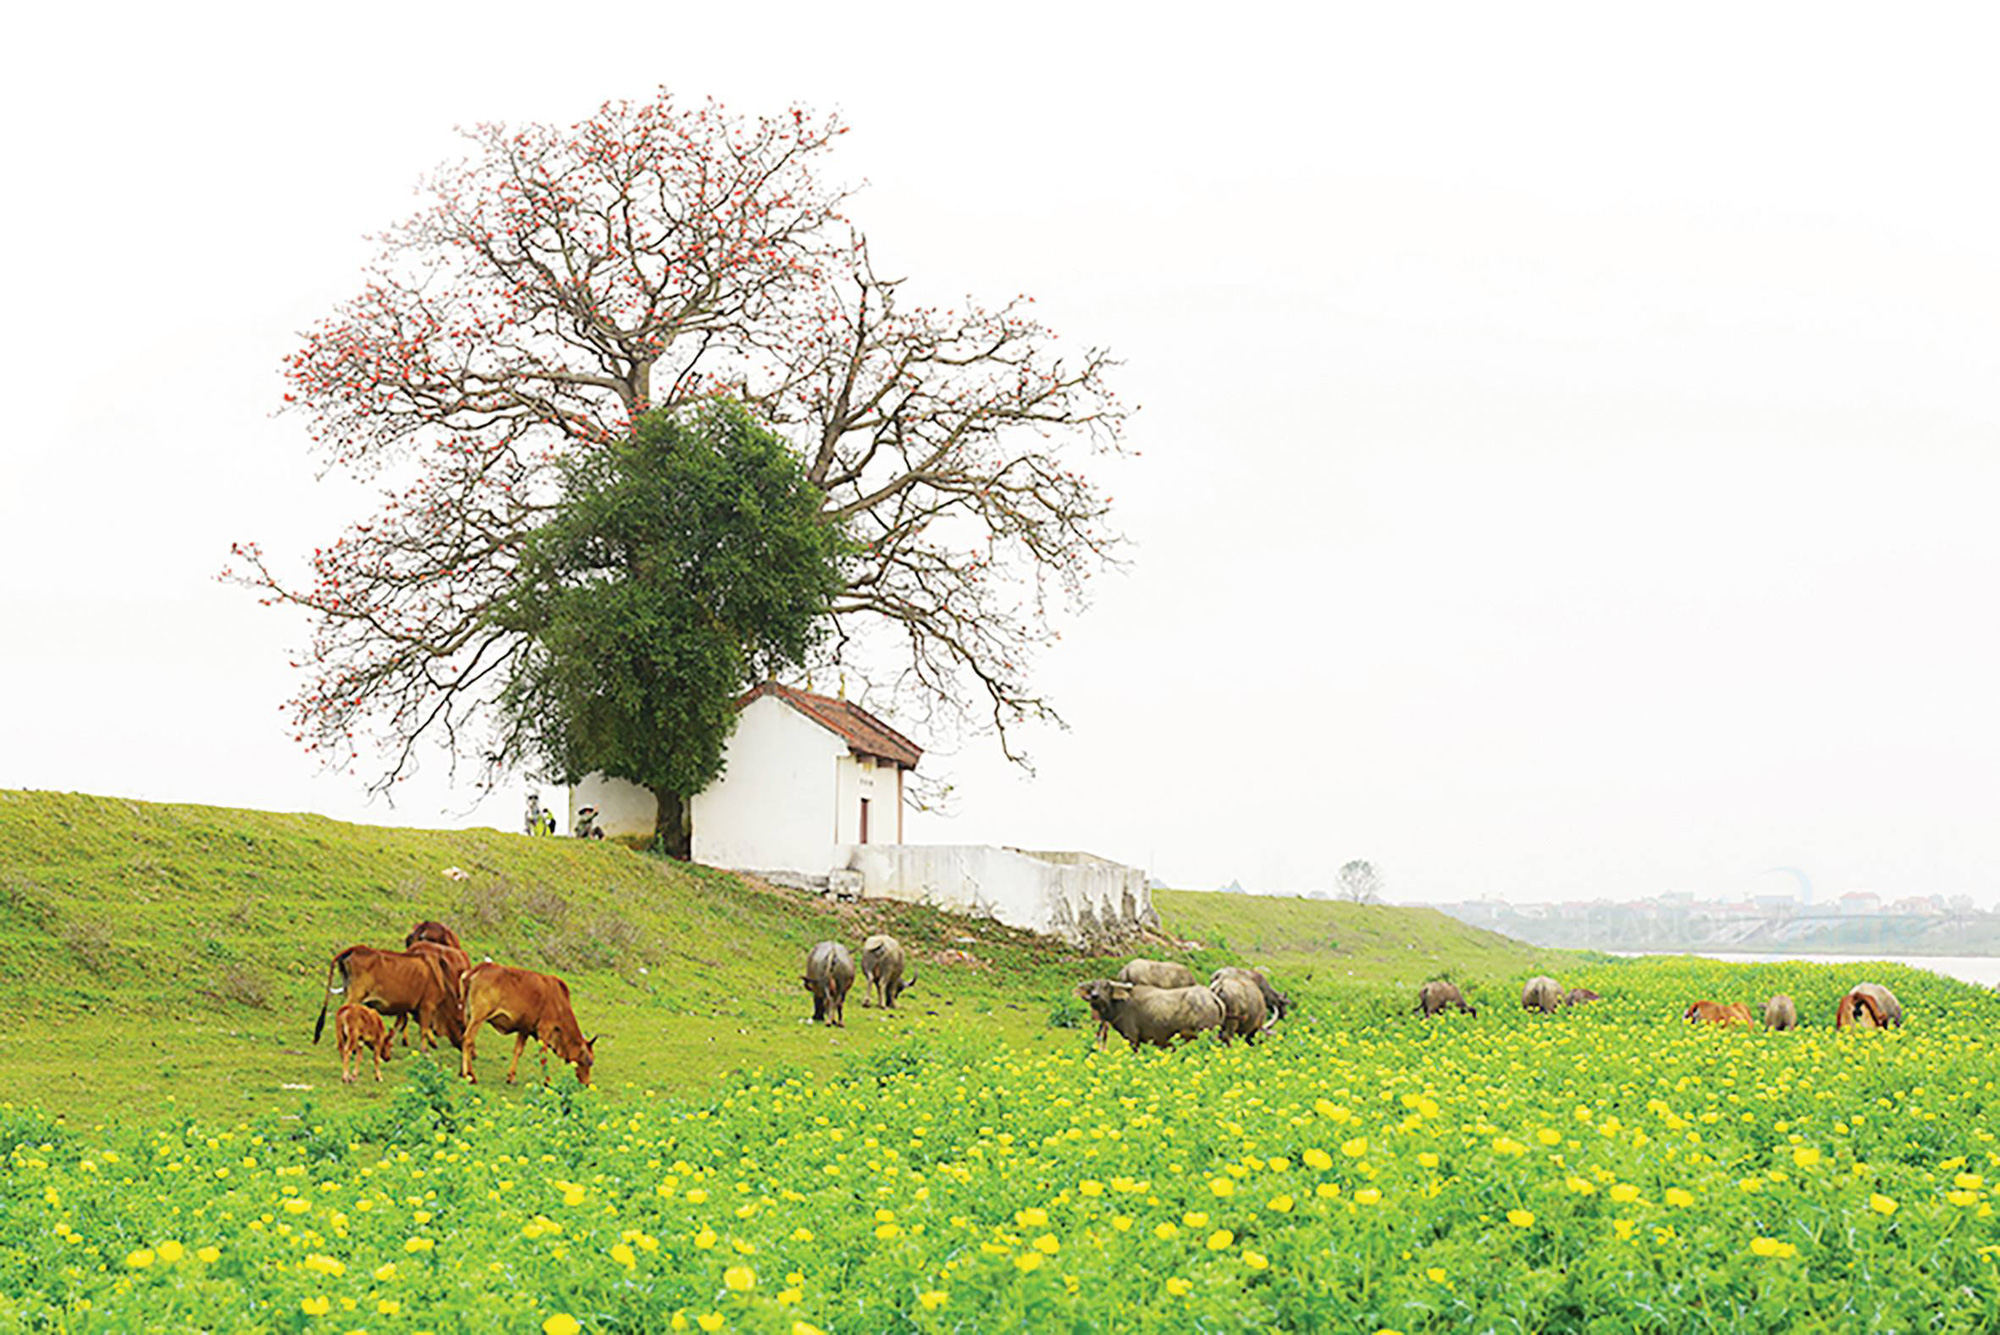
column 1568, row 437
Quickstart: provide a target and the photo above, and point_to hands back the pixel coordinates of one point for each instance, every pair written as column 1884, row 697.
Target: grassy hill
column 171, row 959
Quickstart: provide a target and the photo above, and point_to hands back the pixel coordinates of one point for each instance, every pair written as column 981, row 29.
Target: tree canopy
column 681, row 564
column 561, row 281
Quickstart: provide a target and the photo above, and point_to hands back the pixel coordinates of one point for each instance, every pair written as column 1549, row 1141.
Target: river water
column 1981, row 969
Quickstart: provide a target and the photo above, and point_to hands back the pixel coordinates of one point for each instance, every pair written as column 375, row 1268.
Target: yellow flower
column 624, row 1256
column 1089, row 1187
column 706, row 1238
column 1623, row 1227
column 1256, row 1260
column 1367, row 1196
column 1962, row 1198
column 710, row 1321
column 1582, row 1186
column 1624, row 1193
column 740, row 1278
column 573, row 1194
column 139, row 1259
column 1195, row 1219
column 1028, row 1261
column 1435, row 1274
column 415, row 1245
column 1964, row 1181
column 1220, row 1239
column 791, row 1297
column 321, row 1306
column 1427, row 1159
column 1772, row 1247
column 209, row 1254
column 1521, row 1218
column 696, row 1196
column 1317, row 1159
column 1354, row 1148
column 1881, row 1204
column 1549, row 1137
column 806, row 1328
column 388, row 1306
column 1222, row 1186
column 1047, row 1244
column 1805, row 1158
column 933, row 1299
column 887, row 1231
column 1032, row 1217
column 325, row 1265
column 1676, row 1196
column 1179, row 1287
column 1279, row 1204
column 170, row 1252
column 1328, row 1190
column 1166, row 1232
column 802, row 1235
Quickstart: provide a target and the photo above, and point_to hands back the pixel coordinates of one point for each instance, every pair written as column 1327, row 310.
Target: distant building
column 1856, row 902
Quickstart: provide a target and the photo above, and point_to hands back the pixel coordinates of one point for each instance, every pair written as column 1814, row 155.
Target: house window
column 864, row 820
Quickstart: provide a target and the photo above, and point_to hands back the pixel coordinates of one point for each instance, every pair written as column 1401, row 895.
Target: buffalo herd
column 1865, row 1006
column 434, row 979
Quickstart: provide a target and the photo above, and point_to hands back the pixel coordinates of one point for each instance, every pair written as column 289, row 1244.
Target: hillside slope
column 172, row 958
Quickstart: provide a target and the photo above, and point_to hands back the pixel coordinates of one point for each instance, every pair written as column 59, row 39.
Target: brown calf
column 429, row 930
column 527, row 1005
column 354, row 1028
column 1870, row 1006
column 396, row 983
column 1714, row 1012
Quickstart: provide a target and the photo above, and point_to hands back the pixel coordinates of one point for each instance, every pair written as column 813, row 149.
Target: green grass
column 172, row 958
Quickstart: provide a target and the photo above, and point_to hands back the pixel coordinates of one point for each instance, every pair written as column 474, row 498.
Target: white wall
column 622, row 808
column 773, row 808
column 1082, row 898
column 861, row 777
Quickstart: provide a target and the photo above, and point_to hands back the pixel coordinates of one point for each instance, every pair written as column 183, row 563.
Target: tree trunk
column 672, row 832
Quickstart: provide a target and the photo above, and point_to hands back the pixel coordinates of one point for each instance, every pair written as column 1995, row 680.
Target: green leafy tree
column 679, row 566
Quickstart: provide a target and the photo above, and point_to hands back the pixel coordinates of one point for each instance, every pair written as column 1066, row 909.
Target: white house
column 804, row 778
column 812, row 792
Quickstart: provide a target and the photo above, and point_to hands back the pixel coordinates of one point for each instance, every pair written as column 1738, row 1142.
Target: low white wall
column 1081, row 898
column 623, row 808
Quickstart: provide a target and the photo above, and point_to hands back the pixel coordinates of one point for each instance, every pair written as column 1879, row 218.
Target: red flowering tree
column 557, row 282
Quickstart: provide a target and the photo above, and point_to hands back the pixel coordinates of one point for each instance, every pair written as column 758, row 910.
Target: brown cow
column 356, row 1027
column 396, row 983
column 1870, row 1006
column 429, row 930
column 1781, row 1013
column 527, row 1005
column 451, row 959
column 1435, row 996
column 1581, row 996
column 1714, row 1012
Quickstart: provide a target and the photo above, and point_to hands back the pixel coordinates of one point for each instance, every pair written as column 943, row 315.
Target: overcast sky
column 1568, row 438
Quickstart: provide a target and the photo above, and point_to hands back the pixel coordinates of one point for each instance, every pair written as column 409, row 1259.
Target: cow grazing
column 1243, row 1009
column 1542, row 993
column 1157, row 973
column 829, row 973
column 1436, row 996
column 1580, row 996
column 1781, row 1013
column 1276, row 1003
column 884, row 966
column 1714, row 1012
column 429, row 930
column 356, row 1028
column 452, row 960
column 396, row 984
column 527, row 1005
column 1870, row 1006
column 1157, row 1015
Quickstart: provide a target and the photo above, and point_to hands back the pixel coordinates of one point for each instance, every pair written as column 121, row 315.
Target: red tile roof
column 864, row 733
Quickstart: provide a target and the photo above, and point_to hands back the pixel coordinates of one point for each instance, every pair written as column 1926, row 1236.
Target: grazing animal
column 1243, row 1009
column 1581, row 996
column 829, row 973
column 428, row 930
column 527, row 1005
column 1714, row 1012
column 882, row 964
column 452, row 960
column 1157, row 1015
column 356, row 1028
column 1157, row 973
column 1781, row 1013
column 1542, row 993
column 1869, row 1005
column 1276, row 1003
column 400, row 984
column 1433, row 997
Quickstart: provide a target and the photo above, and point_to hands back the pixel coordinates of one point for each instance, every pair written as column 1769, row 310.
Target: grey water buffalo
column 884, row 967
column 1276, row 1003
column 1157, row 973
column 1243, row 1009
column 1157, row 1015
column 1869, row 1005
column 1780, row 1012
column 1542, row 993
column 829, row 973
column 1436, row 996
